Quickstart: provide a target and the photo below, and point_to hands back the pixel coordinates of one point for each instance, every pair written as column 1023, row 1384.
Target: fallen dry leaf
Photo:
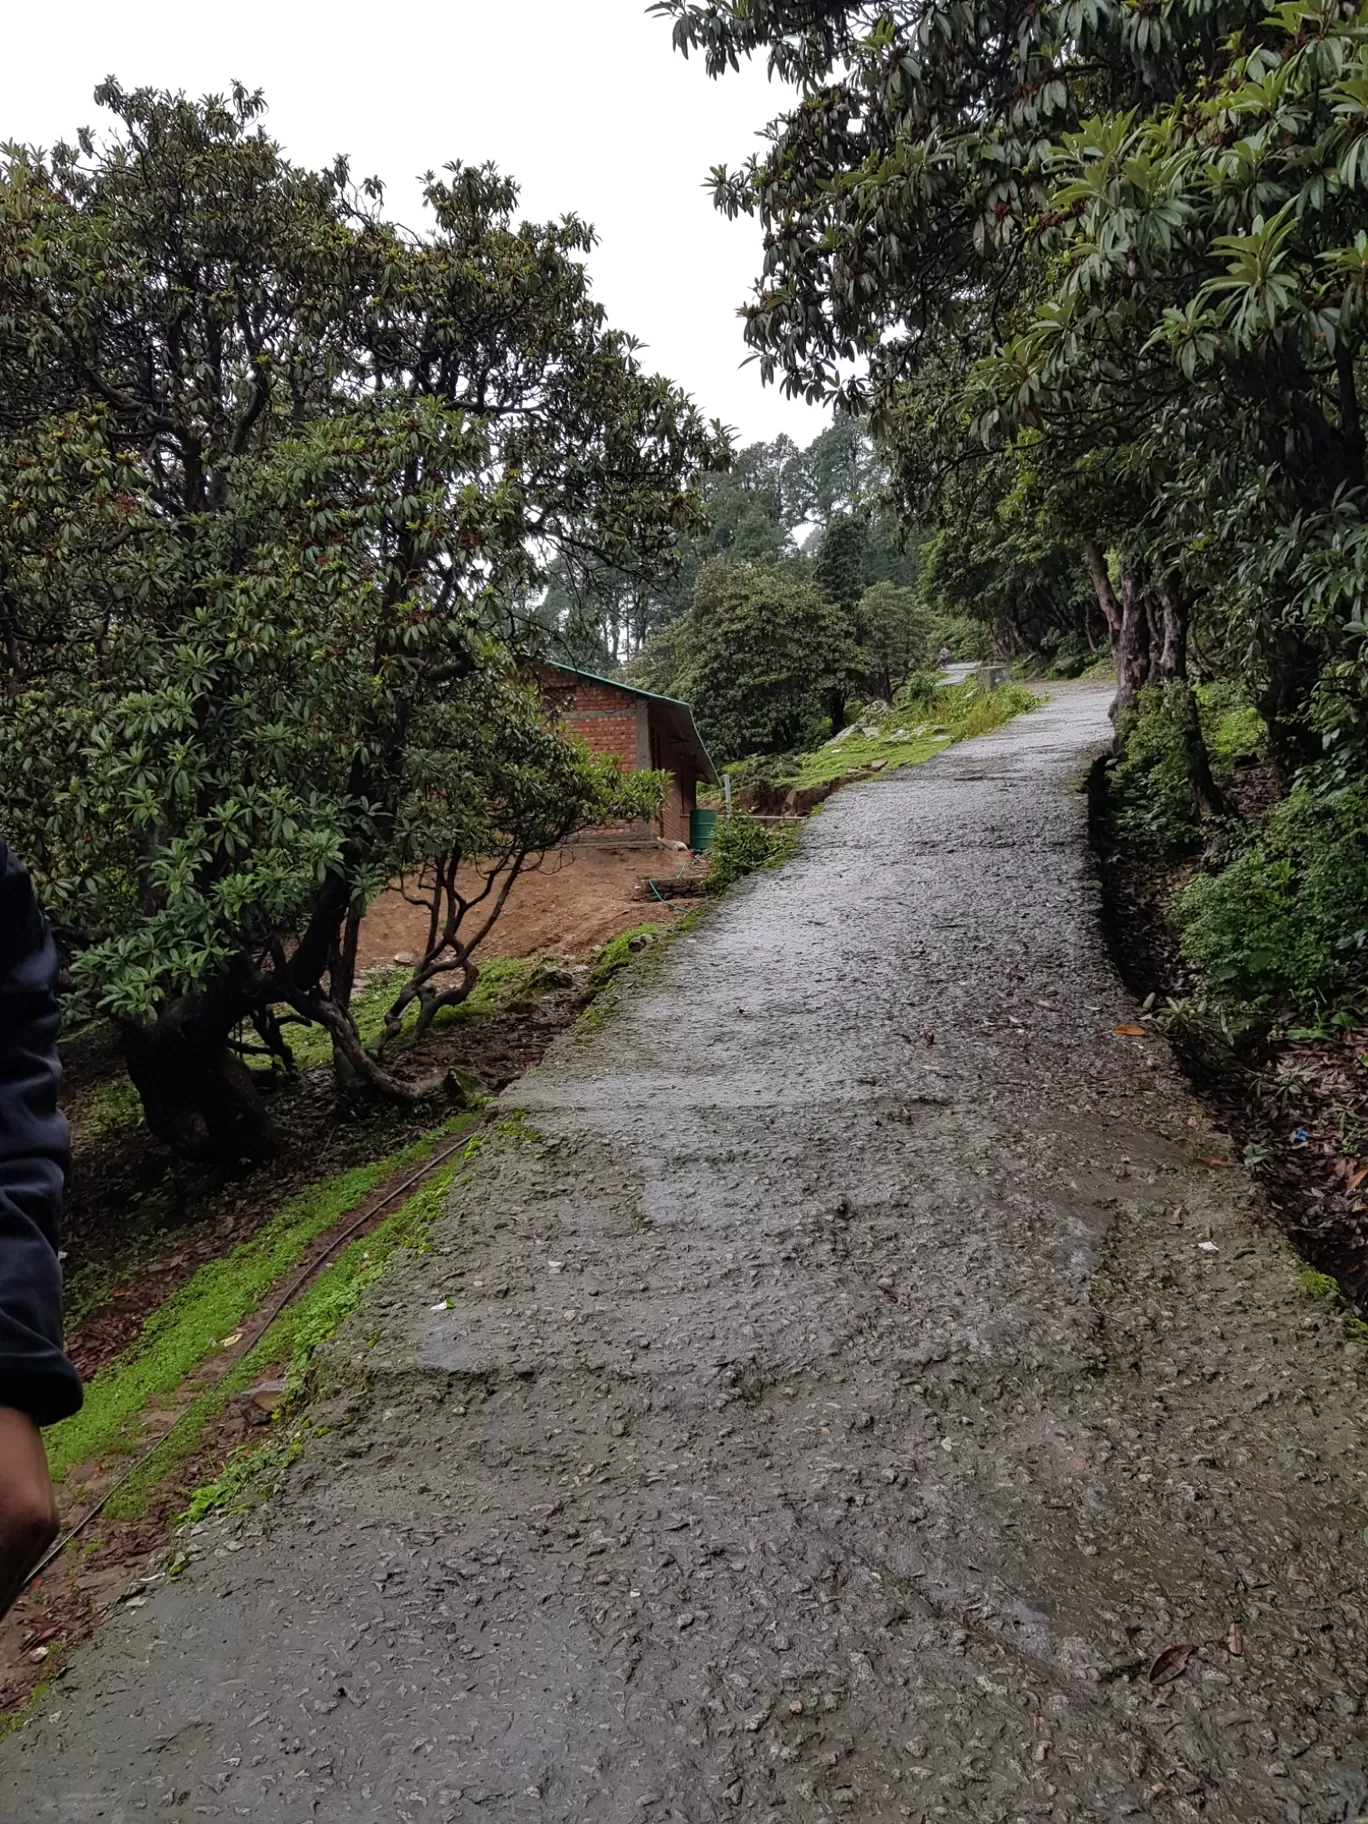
column 1171, row 1663
column 1235, row 1640
column 1357, row 1179
column 1130, row 1032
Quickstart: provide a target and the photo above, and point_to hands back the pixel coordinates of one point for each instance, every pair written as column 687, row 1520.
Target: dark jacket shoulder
column 35, row 1375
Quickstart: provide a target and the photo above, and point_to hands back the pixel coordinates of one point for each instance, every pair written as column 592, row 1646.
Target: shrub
column 966, row 637
column 765, row 769
column 990, row 709
column 1070, row 656
column 919, row 692
column 741, row 845
column 1151, row 789
column 1233, row 728
column 1285, row 924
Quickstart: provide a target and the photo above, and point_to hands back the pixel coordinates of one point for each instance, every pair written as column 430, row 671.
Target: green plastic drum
column 701, row 827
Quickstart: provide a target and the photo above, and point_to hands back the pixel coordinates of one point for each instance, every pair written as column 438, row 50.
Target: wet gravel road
column 854, row 1378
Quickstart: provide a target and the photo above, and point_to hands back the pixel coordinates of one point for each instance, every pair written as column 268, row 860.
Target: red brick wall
column 605, row 719
column 611, row 722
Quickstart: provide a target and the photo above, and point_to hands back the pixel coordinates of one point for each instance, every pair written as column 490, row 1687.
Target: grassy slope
column 910, row 735
column 195, row 1321
column 293, row 1338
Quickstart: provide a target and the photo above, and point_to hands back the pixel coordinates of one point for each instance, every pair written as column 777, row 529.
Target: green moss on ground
column 248, row 1476
column 856, row 753
column 11, row 1720
column 113, row 1105
column 313, row 1318
column 619, row 953
column 1322, row 1286
column 211, row 1305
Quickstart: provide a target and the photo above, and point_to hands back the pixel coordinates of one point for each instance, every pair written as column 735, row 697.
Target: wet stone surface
column 849, row 1385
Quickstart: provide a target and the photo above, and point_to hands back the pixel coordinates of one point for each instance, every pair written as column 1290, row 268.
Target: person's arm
column 38, row 1385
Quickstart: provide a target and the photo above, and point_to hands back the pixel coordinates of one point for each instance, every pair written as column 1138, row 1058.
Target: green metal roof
column 632, row 690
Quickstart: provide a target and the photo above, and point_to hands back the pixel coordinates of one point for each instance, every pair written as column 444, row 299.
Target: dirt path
column 827, row 1420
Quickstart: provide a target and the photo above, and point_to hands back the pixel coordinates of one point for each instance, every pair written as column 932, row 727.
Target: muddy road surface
column 849, row 1380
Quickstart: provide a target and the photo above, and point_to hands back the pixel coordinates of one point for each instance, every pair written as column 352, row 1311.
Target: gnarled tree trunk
column 198, row 1098
column 1102, row 588
column 1172, row 659
column 1132, row 647
column 1128, row 628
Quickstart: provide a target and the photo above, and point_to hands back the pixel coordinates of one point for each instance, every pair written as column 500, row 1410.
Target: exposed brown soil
column 576, row 900
column 1298, row 1108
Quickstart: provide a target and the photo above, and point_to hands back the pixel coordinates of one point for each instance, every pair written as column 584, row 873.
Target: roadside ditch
column 1294, row 1103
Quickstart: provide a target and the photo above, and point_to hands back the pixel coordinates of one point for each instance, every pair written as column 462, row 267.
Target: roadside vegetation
column 1243, row 929
column 924, row 717
column 280, row 491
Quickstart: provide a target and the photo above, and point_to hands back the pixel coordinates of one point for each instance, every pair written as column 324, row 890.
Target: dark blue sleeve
column 35, row 1376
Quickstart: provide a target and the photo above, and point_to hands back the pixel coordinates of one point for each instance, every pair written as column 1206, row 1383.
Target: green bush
column 1284, row 925
column 966, row 637
column 764, row 769
column 919, row 692
column 990, row 709
column 1069, row 657
column 1151, row 792
column 1233, row 728
column 741, row 844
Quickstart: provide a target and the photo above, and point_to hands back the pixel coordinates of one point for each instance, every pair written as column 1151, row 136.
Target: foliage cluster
column 1283, row 927
column 278, row 479
column 765, row 657
column 1098, row 275
column 774, row 506
column 741, row 845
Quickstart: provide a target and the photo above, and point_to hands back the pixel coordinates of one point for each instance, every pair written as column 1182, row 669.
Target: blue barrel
column 702, row 824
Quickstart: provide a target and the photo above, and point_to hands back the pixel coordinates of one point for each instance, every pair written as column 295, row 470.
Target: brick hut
column 644, row 731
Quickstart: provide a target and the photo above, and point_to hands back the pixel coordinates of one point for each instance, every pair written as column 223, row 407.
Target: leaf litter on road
column 1171, row 1663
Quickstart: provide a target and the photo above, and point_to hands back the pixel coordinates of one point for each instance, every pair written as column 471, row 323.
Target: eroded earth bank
column 849, row 1379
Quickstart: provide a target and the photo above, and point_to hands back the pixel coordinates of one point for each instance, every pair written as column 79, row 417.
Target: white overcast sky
column 583, row 101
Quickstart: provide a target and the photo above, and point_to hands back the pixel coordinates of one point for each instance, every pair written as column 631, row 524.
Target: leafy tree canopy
column 762, row 654
column 1119, row 232
column 277, row 478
